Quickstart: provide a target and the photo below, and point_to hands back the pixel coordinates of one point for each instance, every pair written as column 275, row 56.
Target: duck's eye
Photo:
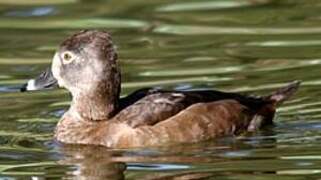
column 67, row 57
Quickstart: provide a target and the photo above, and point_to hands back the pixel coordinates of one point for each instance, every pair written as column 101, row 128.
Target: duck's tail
column 282, row 94
column 265, row 114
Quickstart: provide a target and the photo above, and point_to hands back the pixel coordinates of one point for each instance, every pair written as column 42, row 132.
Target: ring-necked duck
column 86, row 65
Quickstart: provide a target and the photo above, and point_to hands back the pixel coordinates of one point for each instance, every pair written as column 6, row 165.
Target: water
column 235, row 45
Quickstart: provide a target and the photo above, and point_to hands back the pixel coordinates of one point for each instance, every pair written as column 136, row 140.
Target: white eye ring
column 67, row 57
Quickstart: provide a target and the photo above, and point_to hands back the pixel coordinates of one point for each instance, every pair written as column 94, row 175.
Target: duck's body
column 163, row 117
column 147, row 117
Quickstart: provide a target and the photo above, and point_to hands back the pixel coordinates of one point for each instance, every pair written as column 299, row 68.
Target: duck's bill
column 44, row 81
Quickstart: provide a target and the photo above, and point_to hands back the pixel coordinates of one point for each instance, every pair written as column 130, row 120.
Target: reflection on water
column 244, row 45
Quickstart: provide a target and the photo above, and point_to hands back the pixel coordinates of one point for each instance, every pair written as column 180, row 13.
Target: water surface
column 248, row 46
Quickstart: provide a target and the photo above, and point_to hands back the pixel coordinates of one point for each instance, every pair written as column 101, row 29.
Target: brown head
column 86, row 64
column 86, row 61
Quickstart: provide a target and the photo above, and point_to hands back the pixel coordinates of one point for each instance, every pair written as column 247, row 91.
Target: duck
column 86, row 65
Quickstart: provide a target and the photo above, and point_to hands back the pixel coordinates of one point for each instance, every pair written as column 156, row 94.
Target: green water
column 235, row 45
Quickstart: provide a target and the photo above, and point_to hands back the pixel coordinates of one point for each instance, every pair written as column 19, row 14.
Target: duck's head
column 84, row 62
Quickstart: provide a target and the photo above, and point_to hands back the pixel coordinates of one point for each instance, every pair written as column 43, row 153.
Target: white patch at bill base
column 31, row 86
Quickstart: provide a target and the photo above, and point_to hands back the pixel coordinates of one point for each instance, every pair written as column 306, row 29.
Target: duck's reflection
column 91, row 162
column 94, row 162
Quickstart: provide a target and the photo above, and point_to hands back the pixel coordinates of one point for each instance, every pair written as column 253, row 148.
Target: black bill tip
column 23, row 87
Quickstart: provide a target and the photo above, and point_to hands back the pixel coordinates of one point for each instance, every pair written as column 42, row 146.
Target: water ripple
column 71, row 23
column 207, row 5
column 39, row 11
column 36, row 2
column 206, row 30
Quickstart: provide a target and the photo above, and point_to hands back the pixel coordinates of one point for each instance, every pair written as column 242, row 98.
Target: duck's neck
column 96, row 105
